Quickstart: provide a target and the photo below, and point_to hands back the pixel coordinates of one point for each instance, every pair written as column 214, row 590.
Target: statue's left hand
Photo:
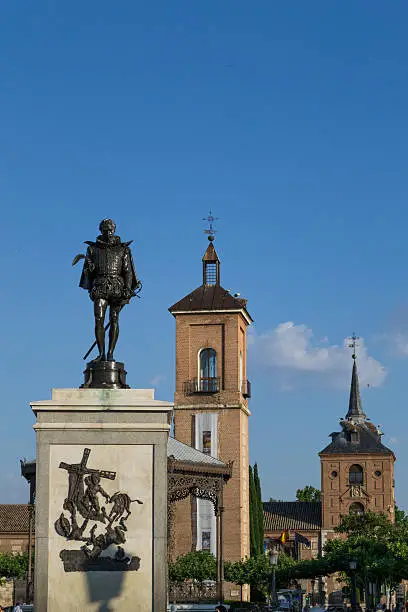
column 128, row 293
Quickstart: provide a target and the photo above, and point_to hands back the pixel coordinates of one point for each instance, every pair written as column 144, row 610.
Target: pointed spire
column 355, row 411
column 211, row 254
column 211, row 265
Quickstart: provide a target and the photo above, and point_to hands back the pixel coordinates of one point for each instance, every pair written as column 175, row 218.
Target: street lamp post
column 273, row 560
column 353, row 567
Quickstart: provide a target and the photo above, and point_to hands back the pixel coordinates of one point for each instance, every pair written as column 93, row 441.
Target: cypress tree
column 259, row 511
column 253, row 522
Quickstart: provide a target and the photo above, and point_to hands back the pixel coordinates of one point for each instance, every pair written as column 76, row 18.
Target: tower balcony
column 202, row 385
column 246, row 389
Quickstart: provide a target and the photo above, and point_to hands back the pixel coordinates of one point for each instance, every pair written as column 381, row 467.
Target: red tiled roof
column 13, row 518
column 209, row 297
column 281, row 515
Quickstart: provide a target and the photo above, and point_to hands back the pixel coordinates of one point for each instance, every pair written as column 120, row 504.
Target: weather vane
column 210, row 231
column 353, row 343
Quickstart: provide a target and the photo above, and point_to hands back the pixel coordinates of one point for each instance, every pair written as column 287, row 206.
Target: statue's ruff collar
column 100, row 242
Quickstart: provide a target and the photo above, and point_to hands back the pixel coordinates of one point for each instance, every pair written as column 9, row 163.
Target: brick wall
column 226, row 334
column 377, row 490
column 13, row 542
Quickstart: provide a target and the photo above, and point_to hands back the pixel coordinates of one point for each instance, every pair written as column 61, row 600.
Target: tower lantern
column 211, row 266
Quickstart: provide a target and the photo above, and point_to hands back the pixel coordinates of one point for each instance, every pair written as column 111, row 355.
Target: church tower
column 357, row 470
column 211, row 406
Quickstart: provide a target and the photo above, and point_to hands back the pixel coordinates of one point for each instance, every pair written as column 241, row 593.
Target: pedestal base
column 101, row 501
column 105, row 375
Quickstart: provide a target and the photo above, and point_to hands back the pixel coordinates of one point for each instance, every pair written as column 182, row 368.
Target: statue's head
column 107, row 227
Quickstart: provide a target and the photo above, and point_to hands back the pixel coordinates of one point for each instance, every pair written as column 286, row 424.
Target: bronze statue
column 109, row 276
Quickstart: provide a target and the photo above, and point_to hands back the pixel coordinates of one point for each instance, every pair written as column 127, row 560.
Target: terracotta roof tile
column 183, row 452
column 13, row 518
column 209, row 297
column 368, row 442
column 282, row 515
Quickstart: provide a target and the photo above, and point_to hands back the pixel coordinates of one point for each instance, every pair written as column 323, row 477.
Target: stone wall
column 7, row 593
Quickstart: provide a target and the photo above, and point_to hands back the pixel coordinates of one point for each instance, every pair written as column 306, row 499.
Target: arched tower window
column 208, row 381
column 356, row 474
column 357, row 509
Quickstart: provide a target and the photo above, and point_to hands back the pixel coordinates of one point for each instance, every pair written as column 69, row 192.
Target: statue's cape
column 86, row 278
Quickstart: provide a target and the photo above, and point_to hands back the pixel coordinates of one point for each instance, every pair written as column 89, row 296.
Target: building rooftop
column 209, row 297
column 296, row 515
column 183, row 452
column 358, row 435
column 367, row 441
column 14, row 518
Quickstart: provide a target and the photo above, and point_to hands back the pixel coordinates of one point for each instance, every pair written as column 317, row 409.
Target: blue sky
column 288, row 119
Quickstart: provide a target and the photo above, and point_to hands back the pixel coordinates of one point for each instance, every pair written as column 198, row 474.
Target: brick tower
column 357, row 470
column 211, row 406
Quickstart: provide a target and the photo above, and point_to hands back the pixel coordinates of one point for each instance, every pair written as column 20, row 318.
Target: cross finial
column 210, row 230
column 353, row 344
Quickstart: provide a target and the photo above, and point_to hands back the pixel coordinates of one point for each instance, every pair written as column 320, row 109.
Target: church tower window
column 210, row 271
column 356, row 474
column 208, row 381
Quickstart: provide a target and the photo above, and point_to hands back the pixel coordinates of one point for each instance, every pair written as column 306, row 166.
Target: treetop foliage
column 308, row 494
column 196, row 565
column 13, row 566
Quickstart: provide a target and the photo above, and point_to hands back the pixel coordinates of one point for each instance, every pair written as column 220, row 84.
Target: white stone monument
column 101, row 501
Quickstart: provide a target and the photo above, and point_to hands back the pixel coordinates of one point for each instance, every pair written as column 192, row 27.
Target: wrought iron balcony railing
column 246, row 389
column 202, row 385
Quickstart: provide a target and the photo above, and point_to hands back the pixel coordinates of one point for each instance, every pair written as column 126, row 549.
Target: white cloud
column 293, row 348
column 157, row 379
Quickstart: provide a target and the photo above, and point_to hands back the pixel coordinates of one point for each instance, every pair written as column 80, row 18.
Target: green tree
column 379, row 547
column 308, row 494
column 236, row 573
column 253, row 516
column 257, row 572
column 196, row 565
column 259, row 511
column 400, row 515
column 13, row 566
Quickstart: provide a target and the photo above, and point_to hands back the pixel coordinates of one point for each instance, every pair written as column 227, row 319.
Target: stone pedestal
column 101, row 501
